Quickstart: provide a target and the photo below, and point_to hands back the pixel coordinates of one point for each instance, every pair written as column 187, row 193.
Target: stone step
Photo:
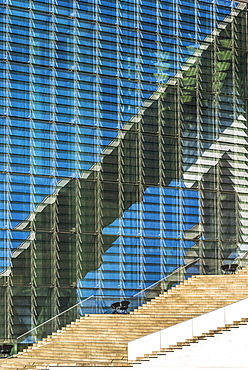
column 197, row 295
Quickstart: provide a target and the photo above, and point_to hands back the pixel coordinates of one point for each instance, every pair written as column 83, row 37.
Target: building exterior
column 124, row 149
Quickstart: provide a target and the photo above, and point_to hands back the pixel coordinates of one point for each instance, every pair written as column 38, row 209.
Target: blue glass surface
column 73, row 71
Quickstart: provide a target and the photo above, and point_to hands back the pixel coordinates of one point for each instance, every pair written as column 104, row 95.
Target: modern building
column 124, row 150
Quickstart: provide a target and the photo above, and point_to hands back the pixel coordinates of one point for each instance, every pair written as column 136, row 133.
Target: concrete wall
column 225, row 351
column 188, row 329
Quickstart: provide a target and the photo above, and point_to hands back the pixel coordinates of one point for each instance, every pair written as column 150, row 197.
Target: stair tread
column 110, row 334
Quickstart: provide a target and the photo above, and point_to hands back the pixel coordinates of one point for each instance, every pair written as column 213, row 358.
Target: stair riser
column 196, row 296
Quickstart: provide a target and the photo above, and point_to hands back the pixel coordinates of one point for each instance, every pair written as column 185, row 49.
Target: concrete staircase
column 101, row 340
column 220, row 352
column 194, row 339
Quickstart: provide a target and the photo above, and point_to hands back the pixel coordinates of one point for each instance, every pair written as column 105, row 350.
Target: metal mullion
column 33, row 283
column 121, row 209
column 55, row 268
column 9, row 330
column 161, row 183
column 140, row 214
column 98, row 247
column 8, row 282
column 98, row 252
column 198, row 88
column 78, row 232
column 54, row 227
column 76, row 114
column 140, row 149
column 235, row 93
column 178, row 174
column 216, row 192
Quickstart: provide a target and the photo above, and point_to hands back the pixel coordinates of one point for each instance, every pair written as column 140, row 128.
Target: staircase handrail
column 167, row 276
column 54, row 317
column 94, row 295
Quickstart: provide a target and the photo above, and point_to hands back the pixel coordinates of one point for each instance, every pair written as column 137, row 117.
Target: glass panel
column 124, row 152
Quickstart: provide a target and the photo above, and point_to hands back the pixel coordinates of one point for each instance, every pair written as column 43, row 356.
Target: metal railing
column 89, row 304
column 52, row 318
column 168, row 276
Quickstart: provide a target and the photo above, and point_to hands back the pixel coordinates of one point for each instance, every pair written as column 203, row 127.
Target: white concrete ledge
column 187, row 329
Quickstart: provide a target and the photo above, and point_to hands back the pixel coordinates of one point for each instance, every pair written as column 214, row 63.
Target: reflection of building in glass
column 124, row 136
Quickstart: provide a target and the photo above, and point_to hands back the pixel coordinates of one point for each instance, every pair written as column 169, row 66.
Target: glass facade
column 124, row 149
